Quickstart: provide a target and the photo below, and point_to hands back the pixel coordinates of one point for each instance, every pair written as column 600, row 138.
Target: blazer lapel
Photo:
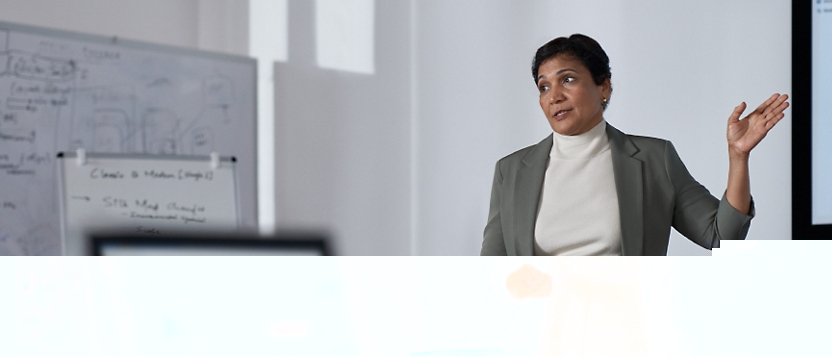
column 629, row 184
column 528, row 185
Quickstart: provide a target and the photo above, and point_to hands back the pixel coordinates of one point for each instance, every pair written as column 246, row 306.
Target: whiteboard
column 60, row 91
column 143, row 195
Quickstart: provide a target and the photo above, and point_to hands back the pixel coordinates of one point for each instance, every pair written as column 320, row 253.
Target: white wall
column 342, row 142
column 215, row 25
column 477, row 103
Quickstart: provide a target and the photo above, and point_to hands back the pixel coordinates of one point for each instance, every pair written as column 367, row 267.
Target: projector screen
column 812, row 119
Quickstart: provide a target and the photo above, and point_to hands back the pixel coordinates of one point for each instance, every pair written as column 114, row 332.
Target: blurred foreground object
column 209, row 244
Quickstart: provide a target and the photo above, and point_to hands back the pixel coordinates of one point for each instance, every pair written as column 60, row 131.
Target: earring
column 604, row 102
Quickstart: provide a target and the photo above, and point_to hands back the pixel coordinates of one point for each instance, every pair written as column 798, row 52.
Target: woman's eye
column 568, row 79
column 543, row 88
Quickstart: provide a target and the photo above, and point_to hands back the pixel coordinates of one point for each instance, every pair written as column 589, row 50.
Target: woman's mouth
column 560, row 114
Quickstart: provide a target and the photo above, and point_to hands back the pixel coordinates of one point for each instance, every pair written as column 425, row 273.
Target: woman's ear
column 606, row 88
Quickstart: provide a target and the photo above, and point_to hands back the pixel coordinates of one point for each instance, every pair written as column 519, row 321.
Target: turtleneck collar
column 582, row 146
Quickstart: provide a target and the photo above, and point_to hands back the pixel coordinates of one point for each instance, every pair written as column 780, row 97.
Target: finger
column 768, row 124
column 778, row 111
column 771, row 123
column 735, row 115
column 781, row 107
column 776, row 104
column 767, row 102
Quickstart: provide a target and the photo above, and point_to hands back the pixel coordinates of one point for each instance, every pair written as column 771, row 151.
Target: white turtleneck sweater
column 578, row 212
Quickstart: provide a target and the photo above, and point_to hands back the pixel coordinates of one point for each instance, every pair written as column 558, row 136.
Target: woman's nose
column 556, row 96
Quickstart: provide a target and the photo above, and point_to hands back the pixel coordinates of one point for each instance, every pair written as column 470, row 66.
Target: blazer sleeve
column 492, row 242
column 697, row 214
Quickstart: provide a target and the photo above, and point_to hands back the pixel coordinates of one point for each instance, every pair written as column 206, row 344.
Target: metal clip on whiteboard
column 81, row 157
column 215, row 160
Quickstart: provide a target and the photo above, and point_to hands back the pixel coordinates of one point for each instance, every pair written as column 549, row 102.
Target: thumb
column 735, row 115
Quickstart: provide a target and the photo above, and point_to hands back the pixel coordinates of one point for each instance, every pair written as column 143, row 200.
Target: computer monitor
column 209, row 244
column 811, row 120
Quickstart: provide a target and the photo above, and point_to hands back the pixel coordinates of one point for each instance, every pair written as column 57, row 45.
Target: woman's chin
column 565, row 129
column 570, row 127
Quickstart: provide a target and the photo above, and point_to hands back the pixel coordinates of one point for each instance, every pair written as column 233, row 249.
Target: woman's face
column 569, row 97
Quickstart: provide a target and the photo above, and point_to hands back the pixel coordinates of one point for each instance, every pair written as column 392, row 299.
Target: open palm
column 743, row 135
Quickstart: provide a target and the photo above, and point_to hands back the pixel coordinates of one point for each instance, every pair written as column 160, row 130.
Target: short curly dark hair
column 583, row 48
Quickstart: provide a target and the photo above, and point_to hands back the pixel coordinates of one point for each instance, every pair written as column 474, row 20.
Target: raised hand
column 743, row 135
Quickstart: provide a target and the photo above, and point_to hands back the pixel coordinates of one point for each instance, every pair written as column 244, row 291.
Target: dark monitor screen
column 191, row 244
column 812, row 119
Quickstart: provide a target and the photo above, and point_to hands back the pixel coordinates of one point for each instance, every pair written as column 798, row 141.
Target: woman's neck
column 582, row 146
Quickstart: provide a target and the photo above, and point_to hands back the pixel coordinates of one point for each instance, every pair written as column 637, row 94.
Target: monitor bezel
column 316, row 242
column 802, row 227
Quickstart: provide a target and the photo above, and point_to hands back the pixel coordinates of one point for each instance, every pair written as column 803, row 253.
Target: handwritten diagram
column 131, row 194
column 62, row 91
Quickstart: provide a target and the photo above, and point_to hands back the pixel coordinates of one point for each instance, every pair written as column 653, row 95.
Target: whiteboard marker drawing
column 118, row 192
column 60, row 92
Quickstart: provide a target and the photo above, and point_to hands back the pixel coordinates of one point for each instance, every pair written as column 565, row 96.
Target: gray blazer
column 655, row 192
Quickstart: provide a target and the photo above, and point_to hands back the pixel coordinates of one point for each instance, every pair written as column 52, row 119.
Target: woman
column 589, row 189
